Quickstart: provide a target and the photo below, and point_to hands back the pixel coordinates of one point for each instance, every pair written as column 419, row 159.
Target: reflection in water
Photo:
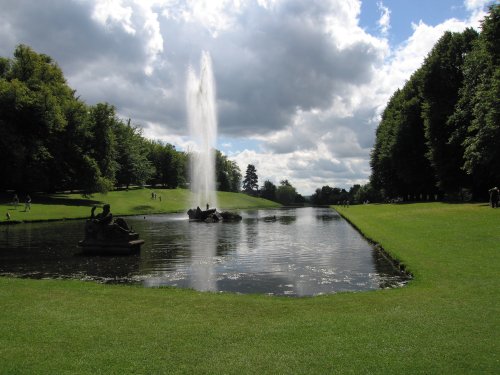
column 305, row 251
column 202, row 243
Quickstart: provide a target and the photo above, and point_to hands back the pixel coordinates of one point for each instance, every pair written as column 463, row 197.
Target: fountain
column 202, row 120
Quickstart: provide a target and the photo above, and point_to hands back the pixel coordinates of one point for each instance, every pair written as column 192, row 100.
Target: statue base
column 212, row 216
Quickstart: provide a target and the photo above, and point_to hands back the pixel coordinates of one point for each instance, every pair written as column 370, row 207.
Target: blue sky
column 300, row 84
column 406, row 12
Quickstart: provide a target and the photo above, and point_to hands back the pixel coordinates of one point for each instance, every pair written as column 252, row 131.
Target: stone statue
column 103, row 227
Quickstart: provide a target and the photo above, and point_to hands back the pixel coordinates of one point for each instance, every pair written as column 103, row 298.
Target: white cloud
column 343, row 132
column 215, row 16
column 301, row 79
column 384, row 21
column 110, row 12
column 475, row 5
column 135, row 17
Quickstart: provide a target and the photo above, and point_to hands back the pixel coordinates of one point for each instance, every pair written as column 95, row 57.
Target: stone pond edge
column 397, row 263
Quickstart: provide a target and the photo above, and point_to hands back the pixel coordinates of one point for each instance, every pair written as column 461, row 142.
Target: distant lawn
column 446, row 321
column 123, row 202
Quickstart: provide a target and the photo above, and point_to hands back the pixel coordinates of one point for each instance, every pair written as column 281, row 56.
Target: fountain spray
column 202, row 120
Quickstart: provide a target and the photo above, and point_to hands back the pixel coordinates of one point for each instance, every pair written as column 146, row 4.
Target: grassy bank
column 123, row 202
column 445, row 322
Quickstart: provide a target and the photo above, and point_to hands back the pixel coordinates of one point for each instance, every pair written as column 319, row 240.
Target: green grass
column 445, row 322
column 123, row 202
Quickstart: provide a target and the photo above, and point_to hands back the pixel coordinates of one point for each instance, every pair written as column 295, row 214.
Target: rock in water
column 230, row 216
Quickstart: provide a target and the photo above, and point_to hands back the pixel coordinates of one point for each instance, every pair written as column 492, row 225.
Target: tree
column 251, row 180
column 227, row 172
column 268, row 191
column 286, row 194
column 76, row 162
column 367, row 193
column 478, row 110
column 170, row 165
column 400, row 167
column 34, row 103
column 353, row 191
column 104, row 147
column 440, row 133
column 442, row 78
column 132, row 156
column 234, row 175
column 328, row 195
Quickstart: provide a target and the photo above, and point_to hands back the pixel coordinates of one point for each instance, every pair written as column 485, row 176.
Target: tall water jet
column 202, row 120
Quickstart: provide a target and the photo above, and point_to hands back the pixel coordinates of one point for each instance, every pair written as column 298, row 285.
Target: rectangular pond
column 289, row 251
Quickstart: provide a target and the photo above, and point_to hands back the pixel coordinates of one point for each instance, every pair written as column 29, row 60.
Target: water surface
column 297, row 252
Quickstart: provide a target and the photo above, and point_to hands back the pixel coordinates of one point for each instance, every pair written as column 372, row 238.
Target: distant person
column 8, row 216
column 494, row 197
column 27, row 204
column 15, row 200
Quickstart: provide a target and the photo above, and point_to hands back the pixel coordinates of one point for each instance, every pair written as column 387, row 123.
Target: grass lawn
column 123, row 202
column 445, row 322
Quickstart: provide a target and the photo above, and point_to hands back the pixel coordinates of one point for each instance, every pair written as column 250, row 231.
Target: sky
column 300, row 84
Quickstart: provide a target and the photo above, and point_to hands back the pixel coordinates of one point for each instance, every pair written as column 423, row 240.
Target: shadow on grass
column 143, row 207
column 63, row 200
column 49, row 199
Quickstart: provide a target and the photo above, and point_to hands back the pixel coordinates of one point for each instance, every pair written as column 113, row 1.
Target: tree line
column 285, row 193
column 50, row 140
column 439, row 136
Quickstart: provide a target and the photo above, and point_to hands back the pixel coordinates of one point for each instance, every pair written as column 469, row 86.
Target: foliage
column 478, row 106
column 251, row 180
column 367, row 194
column 227, row 172
column 34, row 100
column 440, row 134
column 134, row 167
column 442, row 77
column 329, row 195
column 268, row 190
column 286, row 194
column 51, row 141
column 170, row 166
column 398, row 161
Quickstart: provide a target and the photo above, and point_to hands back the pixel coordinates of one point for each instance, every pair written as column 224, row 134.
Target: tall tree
column 251, row 180
column 170, row 165
column 268, row 190
column 441, row 80
column 286, row 194
column 367, row 193
column 234, row 175
column 103, row 119
column 75, row 150
column 479, row 106
column 34, row 100
column 227, row 172
column 133, row 164
column 398, row 160
column 453, row 101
